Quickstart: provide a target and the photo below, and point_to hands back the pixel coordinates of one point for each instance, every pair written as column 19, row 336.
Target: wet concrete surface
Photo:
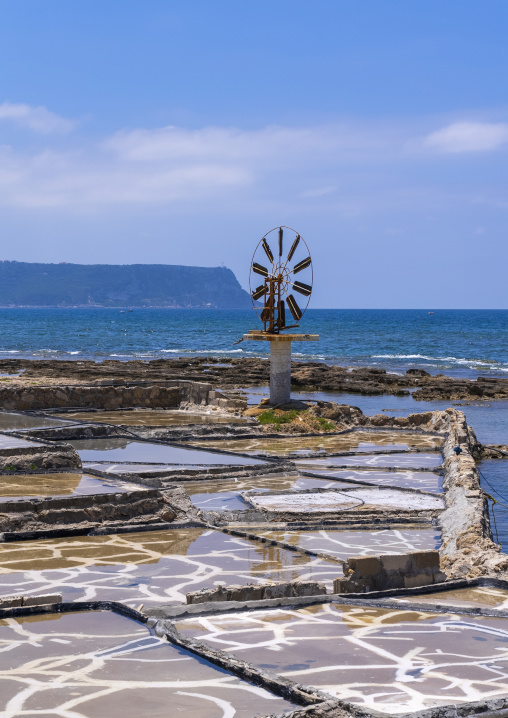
column 393, row 661
column 351, row 441
column 347, row 543
column 92, row 665
column 224, row 495
column 124, row 450
column 12, row 442
column 150, row 417
column 150, row 568
column 477, row 596
column 32, row 485
column 19, row 422
column 399, row 461
column 422, row 480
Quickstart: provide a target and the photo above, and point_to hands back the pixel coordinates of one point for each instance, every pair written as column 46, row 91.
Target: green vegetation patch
column 295, row 421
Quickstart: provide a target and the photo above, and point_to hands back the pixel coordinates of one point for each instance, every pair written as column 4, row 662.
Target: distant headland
column 28, row 284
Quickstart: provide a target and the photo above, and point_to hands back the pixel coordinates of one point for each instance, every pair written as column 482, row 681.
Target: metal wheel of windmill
column 282, row 260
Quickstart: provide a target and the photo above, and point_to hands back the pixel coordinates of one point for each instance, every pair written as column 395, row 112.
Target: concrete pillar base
column 280, row 372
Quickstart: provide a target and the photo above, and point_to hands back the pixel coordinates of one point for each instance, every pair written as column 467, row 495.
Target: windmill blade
column 280, row 241
column 259, row 269
column 302, row 288
column 294, row 308
column 282, row 314
column 259, row 291
column 293, row 248
column 302, row 265
column 267, row 249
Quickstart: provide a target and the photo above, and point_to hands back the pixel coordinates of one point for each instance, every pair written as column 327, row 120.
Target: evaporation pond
column 224, row 494
column 480, row 596
column 345, row 544
column 100, row 664
column 149, row 417
column 19, row 422
column 392, row 661
column 351, row 441
column 124, row 450
column 150, row 567
column 364, row 499
column 397, row 461
column 12, row 442
column 422, row 480
column 29, row 485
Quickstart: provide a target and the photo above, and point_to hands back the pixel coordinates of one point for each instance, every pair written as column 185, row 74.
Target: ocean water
column 459, row 343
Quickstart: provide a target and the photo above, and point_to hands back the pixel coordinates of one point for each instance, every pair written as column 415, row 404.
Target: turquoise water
column 459, row 342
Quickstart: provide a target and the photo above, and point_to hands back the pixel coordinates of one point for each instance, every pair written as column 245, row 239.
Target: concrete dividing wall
column 467, row 547
column 255, row 592
column 116, row 395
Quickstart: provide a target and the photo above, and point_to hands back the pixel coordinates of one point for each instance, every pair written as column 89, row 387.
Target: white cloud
column 468, row 137
column 349, row 167
column 38, row 119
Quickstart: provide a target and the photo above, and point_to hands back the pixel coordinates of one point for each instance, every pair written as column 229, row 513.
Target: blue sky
column 180, row 132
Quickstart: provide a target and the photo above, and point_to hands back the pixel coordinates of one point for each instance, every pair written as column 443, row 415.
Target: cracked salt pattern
column 392, row 661
column 360, row 499
column 344, row 544
column 124, row 450
column 152, row 567
column 350, row 441
column 31, row 485
column 422, row 480
column 101, row 664
column 224, row 495
column 413, row 461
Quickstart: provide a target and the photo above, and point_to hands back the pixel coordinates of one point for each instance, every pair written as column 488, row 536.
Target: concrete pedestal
column 280, row 373
column 280, row 362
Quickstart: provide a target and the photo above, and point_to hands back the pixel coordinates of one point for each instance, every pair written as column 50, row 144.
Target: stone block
column 42, row 600
column 279, row 590
column 395, row 562
column 426, row 559
column 245, row 593
column 421, row 579
column 307, row 588
column 11, row 601
column 364, row 565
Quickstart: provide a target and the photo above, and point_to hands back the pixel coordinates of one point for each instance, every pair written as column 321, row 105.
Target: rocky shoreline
column 242, row 372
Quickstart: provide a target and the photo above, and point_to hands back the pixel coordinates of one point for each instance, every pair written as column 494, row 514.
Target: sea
column 459, row 343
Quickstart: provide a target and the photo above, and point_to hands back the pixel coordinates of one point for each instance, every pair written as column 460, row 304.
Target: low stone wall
column 143, row 506
column 29, row 601
column 110, row 395
column 255, row 592
column 378, row 573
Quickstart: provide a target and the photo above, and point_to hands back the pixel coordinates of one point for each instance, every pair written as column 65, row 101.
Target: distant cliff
column 26, row 284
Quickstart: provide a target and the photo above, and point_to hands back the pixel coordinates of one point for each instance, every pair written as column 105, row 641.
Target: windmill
column 283, row 260
column 279, row 257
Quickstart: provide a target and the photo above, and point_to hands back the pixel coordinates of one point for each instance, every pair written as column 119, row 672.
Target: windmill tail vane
column 278, row 288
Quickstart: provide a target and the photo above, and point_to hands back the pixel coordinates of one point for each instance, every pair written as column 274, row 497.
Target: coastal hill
column 26, row 284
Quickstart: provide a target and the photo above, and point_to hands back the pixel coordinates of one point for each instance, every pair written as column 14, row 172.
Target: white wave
column 74, row 352
column 455, row 360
